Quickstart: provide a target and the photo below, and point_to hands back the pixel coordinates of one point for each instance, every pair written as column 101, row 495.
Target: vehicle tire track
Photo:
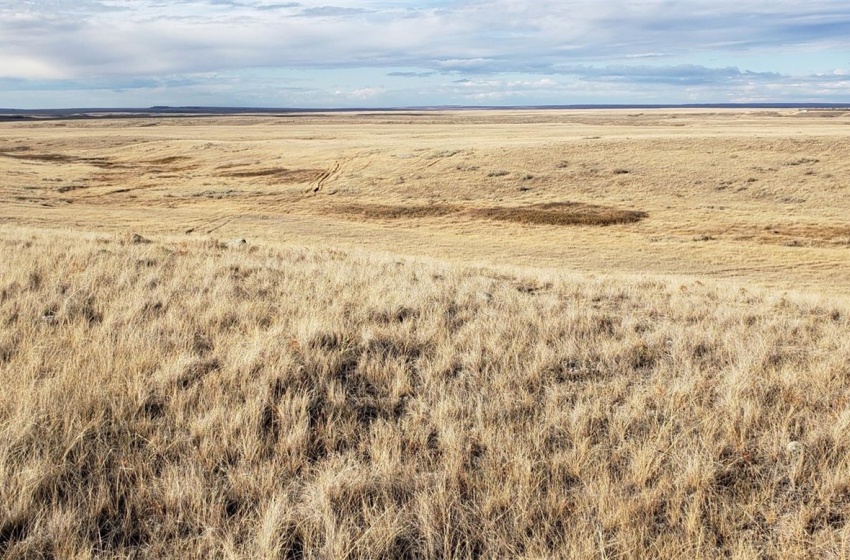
column 209, row 225
column 323, row 178
column 222, row 224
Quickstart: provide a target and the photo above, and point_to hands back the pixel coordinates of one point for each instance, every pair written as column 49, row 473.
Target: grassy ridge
column 186, row 399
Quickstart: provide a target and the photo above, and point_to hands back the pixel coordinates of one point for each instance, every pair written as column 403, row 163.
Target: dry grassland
column 758, row 197
column 184, row 399
column 450, row 335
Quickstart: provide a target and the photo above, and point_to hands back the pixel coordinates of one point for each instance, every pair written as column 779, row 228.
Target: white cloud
column 698, row 41
column 27, row 67
column 360, row 93
column 500, row 35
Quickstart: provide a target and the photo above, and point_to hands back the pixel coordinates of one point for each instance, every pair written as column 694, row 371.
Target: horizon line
column 91, row 112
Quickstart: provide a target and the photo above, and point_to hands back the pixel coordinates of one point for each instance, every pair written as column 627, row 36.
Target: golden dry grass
column 182, row 399
column 428, row 347
column 759, row 197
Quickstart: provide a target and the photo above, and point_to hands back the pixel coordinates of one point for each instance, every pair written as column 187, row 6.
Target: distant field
column 606, row 334
column 758, row 196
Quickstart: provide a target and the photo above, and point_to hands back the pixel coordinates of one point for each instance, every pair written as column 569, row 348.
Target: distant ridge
column 166, row 110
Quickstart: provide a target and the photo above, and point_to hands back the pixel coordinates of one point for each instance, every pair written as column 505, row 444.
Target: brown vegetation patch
column 802, row 161
column 280, row 174
column 392, row 212
column 69, row 188
column 552, row 213
column 561, row 214
column 62, row 158
column 216, row 194
column 813, row 234
column 168, row 159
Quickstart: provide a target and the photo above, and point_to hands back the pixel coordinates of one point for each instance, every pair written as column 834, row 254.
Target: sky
column 405, row 53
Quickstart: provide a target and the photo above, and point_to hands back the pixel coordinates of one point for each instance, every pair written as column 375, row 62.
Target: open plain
column 470, row 334
column 756, row 196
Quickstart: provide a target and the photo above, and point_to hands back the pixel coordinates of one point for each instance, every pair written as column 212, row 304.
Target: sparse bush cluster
column 186, row 400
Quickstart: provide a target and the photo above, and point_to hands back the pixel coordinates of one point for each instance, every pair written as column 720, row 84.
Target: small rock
column 236, row 243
